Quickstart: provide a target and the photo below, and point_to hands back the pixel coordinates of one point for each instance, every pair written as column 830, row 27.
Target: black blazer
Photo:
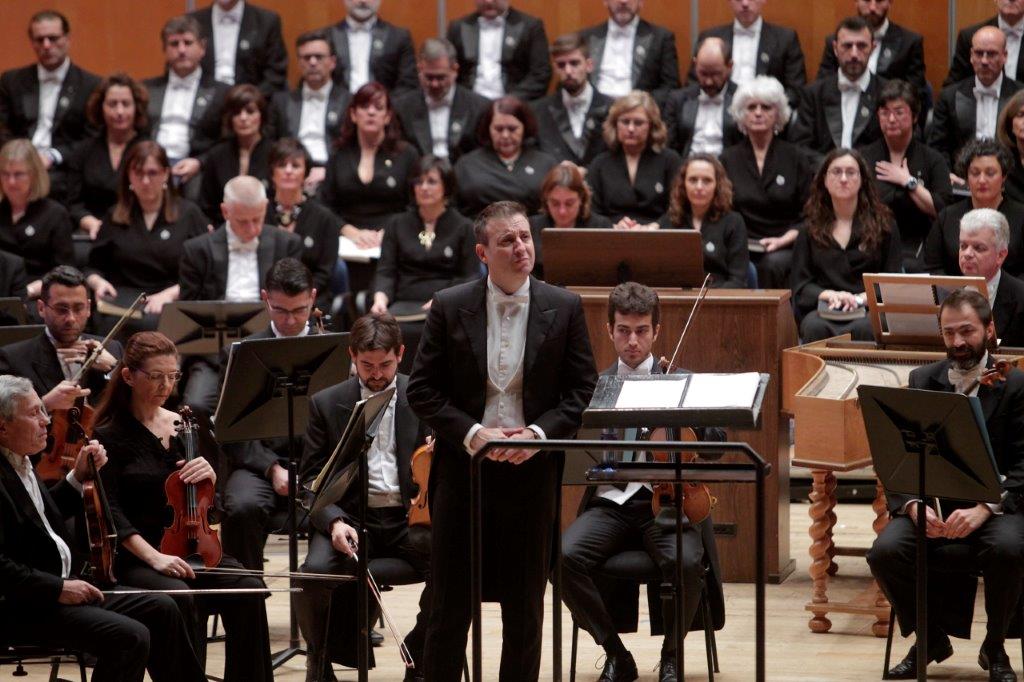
column 368, row 205
column 329, row 412
column 286, row 113
column 647, row 198
column 481, row 179
column 554, row 131
column 960, row 66
column 204, row 127
column 954, row 119
column 942, row 246
column 319, row 230
column 221, row 164
column 901, row 56
column 42, row 236
column 36, row 360
column 819, row 122
column 655, row 60
column 261, row 58
column 726, row 257
column 92, row 179
column 204, row 263
column 392, row 56
column 13, row 278
column 467, row 108
column 680, row 116
column 19, row 105
column 1008, row 311
column 778, row 55
column 525, row 64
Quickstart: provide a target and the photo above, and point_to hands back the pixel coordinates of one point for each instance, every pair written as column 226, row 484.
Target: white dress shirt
column 707, row 128
column 993, row 286
column 488, row 70
column 360, row 37
column 610, row 492
column 577, row 108
column 439, row 113
column 23, row 467
column 877, row 49
column 50, row 83
column 278, row 334
column 243, row 269
column 313, row 121
column 1013, row 35
column 382, row 458
column 850, row 92
column 986, row 103
column 226, row 25
column 615, row 73
column 507, row 316
column 745, row 42
column 176, row 113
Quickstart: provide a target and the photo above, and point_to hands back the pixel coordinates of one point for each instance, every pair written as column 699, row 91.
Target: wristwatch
column 911, row 184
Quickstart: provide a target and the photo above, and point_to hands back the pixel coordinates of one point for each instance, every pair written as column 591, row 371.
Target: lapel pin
column 764, row 57
column 243, row 44
column 659, row 188
column 378, row 44
column 201, row 101
column 864, row 112
column 308, row 242
column 390, row 182
column 779, row 180
column 30, row 231
column 887, row 53
column 165, row 234
column 64, row 102
column 709, row 247
column 332, row 116
column 640, row 51
column 590, row 124
column 387, row 163
column 529, row 170
column 448, row 253
column 510, row 41
column 456, row 127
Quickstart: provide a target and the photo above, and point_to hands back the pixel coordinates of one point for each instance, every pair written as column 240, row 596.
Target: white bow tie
column 986, row 92
column 238, row 246
column 705, row 98
column 962, row 379
column 848, row 86
column 1017, row 32
column 748, row 32
column 505, row 299
column 52, row 78
column 491, row 23
column 314, row 96
column 228, row 19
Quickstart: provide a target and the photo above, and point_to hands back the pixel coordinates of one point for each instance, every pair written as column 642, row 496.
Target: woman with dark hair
column 291, row 211
column 142, row 237
column 848, row 231
column 1010, row 133
column 143, row 449
column 426, row 249
column 912, row 178
column 117, row 108
column 242, row 151
column 507, row 165
column 985, row 164
column 367, row 179
column 701, row 199
column 632, row 179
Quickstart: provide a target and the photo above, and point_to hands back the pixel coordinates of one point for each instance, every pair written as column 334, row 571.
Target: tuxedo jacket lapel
column 865, row 111
column 537, row 325
column 421, row 125
column 641, row 48
column 340, row 39
column 405, row 437
column 156, row 102
column 16, row 489
column 204, row 98
column 890, row 47
column 469, row 32
column 596, row 45
column 510, row 41
column 68, row 90
column 474, row 322
column 966, row 110
column 834, row 118
column 265, row 253
column 46, row 363
column 293, row 113
column 219, row 256
column 458, row 119
column 378, row 39
column 765, row 49
column 561, row 119
column 30, row 98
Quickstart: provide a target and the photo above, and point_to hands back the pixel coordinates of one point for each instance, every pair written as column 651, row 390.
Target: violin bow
column 701, row 295
column 95, row 354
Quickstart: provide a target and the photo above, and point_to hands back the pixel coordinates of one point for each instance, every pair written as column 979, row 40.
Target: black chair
column 636, row 565
column 18, row 655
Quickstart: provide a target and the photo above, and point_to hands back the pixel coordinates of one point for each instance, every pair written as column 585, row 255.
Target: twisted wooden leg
column 831, row 484
column 822, row 521
column 880, row 628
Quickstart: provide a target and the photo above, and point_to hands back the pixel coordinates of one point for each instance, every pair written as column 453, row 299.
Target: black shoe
column 907, row 668
column 376, row 639
column 997, row 663
column 413, row 675
column 621, row 668
column 667, row 671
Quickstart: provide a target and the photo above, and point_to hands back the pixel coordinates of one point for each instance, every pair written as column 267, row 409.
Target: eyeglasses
column 63, row 310
column 313, row 57
column 289, row 312
column 160, row 377
column 899, row 113
column 838, row 173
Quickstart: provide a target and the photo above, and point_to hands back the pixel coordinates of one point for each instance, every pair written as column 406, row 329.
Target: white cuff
column 539, row 431
column 469, row 437
column 75, row 483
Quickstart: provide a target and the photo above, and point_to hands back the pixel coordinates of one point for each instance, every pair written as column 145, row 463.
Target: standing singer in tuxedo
column 503, row 357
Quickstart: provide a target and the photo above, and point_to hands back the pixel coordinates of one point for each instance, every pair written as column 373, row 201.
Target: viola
column 419, row 509
column 697, row 498
column 190, row 536
column 101, row 531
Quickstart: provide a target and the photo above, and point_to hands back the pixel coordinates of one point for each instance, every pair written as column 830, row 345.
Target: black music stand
column 262, row 380
column 597, row 257
column 23, row 332
column 205, row 327
column 929, row 444
column 332, row 484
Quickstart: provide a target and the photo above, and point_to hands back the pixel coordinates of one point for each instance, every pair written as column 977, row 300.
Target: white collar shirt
column 50, row 83
column 577, row 108
column 1013, row 35
column 360, row 39
column 850, row 92
column 610, row 492
column 69, row 369
column 615, row 73
column 439, row 113
column 993, row 286
column 226, row 26
column 277, row 333
column 243, row 269
column 176, row 113
column 489, row 82
column 745, row 41
column 877, row 49
column 382, row 458
column 313, row 121
column 708, row 128
column 986, row 103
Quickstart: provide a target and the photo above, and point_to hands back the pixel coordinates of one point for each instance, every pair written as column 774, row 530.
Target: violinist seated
column 616, row 515
column 51, row 359
column 376, row 350
column 43, row 602
column 992, row 534
column 144, row 450
column 258, row 484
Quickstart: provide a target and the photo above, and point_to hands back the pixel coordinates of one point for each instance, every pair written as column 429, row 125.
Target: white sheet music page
column 722, row 390
column 650, row 394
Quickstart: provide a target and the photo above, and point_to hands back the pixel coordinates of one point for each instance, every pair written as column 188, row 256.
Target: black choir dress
column 646, row 198
column 42, row 236
column 134, row 477
column 319, row 230
column 92, row 178
column 542, row 221
column 942, row 247
column 726, row 257
column 481, row 178
column 369, row 205
column 221, row 164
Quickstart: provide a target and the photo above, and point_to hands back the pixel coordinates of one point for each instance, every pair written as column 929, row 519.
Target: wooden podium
column 734, row 331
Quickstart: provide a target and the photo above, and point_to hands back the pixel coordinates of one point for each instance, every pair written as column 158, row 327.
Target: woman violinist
column 143, row 450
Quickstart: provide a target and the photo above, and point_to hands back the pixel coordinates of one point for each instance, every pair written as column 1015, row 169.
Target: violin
column 190, row 536
column 697, row 498
column 101, row 531
column 318, row 321
column 419, row 509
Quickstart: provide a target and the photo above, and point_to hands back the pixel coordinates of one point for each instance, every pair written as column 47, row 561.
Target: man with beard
column 697, row 116
column 367, row 48
column 992, row 533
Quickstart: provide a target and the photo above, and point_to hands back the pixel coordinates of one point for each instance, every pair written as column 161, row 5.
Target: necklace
column 427, row 236
column 285, row 217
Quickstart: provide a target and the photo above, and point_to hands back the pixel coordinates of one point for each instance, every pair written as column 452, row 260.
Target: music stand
column 262, row 380
column 9, row 335
column 582, row 256
column 205, row 327
column 12, row 311
column 929, row 444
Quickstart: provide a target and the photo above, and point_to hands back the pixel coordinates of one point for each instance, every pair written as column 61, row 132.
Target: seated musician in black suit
column 697, row 116
column 612, row 515
column 13, row 278
column 52, row 358
column 258, row 484
column 440, row 117
column 569, row 120
column 43, row 602
column 1010, row 20
column 376, row 349
column 984, row 239
column 46, row 102
column 371, row 49
column 993, row 534
column 246, row 45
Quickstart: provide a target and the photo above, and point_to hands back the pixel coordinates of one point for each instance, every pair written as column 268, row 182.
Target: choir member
column 697, row 116
column 247, row 45
column 371, row 49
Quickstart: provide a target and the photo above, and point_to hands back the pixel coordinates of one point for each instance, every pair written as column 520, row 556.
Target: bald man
column 697, row 116
column 1009, row 19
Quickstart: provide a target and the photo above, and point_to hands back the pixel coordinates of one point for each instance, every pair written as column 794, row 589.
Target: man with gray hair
column 984, row 243
column 440, row 117
column 42, row 600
